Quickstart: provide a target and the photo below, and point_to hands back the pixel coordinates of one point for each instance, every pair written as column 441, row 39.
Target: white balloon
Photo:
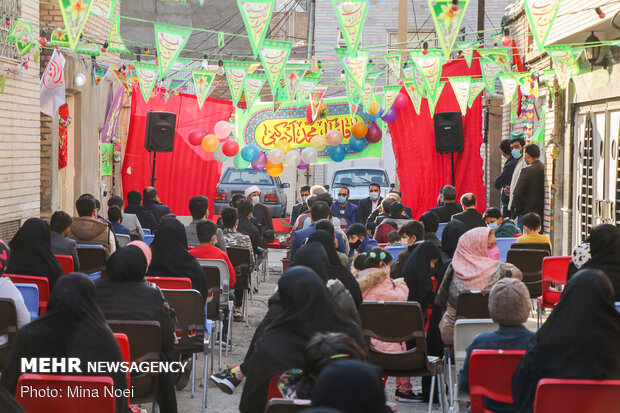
column 309, row 155
column 219, row 155
column 276, row 156
column 293, row 158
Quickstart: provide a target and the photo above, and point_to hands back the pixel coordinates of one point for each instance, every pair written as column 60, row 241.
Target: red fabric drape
column 421, row 170
column 188, row 170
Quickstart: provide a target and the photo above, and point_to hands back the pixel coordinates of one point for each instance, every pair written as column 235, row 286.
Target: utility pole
column 402, row 45
column 481, row 7
column 310, row 37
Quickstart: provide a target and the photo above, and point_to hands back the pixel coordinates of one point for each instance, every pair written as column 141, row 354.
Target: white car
column 358, row 180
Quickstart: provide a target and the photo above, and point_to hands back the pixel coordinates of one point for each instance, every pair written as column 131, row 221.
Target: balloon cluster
column 217, row 142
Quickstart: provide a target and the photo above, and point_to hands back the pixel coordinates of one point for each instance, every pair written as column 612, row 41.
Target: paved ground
column 220, row 402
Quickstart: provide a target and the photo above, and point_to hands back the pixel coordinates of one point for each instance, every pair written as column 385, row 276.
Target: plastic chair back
column 123, row 343
column 465, row 330
column 504, row 245
column 577, row 396
column 287, row 405
column 8, row 326
column 146, row 231
column 92, row 258
column 144, row 346
column 490, row 375
column 472, row 305
column 440, row 229
column 123, row 239
column 240, row 260
column 214, row 292
column 171, row 283
column 30, row 293
column 282, row 225
column 189, row 309
column 41, row 282
column 148, row 239
column 554, row 270
column 66, row 263
column 395, row 251
column 530, row 262
column 274, row 390
column 224, row 277
column 103, row 403
column 532, row 246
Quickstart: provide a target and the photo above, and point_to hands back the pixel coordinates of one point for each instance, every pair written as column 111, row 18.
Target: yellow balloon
column 283, row 145
column 210, row 143
column 274, row 169
column 374, row 108
column 318, row 142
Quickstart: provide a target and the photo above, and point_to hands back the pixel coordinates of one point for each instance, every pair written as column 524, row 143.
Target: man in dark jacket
column 450, row 206
column 246, row 225
column 152, row 202
column 366, row 206
column 470, row 216
column 504, row 178
column 302, row 207
column 134, row 206
column 529, row 192
column 60, row 244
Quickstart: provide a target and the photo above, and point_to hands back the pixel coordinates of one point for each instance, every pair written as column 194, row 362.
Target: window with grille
column 586, row 198
column 9, row 9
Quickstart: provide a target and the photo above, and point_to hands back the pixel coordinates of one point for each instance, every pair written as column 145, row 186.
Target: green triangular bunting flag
column 351, row 15
column 147, row 78
column 430, row 67
column 293, row 75
column 18, row 28
column 432, row 101
column 202, row 83
column 170, row 41
column 274, row 55
column 541, row 15
column 475, row 89
column 115, row 41
column 256, row 15
column 354, row 64
column 390, row 93
column 415, row 97
column 306, row 86
column 236, row 73
column 254, row 83
column 500, row 56
column 461, row 86
column 510, row 85
column 489, row 73
column 447, row 21
column 104, row 8
column 393, row 60
column 74, row 14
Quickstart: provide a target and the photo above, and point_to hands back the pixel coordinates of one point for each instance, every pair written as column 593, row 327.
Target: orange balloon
column 374, row 108
column 274, row 169
column 210, row 143
column 359, row 130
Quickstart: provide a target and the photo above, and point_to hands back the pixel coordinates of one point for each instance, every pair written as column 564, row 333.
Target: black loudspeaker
column 448, row 132
column 160, row 129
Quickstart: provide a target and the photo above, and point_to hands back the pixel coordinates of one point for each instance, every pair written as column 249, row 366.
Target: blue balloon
column 357, row 145
column 249, row 153
column 337, row 153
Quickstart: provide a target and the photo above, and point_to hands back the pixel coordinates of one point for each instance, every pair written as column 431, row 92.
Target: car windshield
column 247, row 176
column 360, row 177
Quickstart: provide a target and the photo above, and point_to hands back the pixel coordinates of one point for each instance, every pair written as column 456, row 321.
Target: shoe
column 237, row 315
column 184, row 376
column 226, row 381
column 410, row 397
column 224, row 341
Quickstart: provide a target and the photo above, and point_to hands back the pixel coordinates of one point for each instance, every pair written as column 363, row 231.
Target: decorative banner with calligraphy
column 351, row 15
column 390, row 93
column 115, row 41
column 256, row 16
column 112, row 117
column 433, row 100
column 501, row 56
column 25, row 42
column 235, row 74
column 100, row 71
column 74, row 15
column 147, row 78
column 461, row 86
column 261, row 127
column 104, row 8
column 306, row 86
column 274, row 55
column 254, row 83
column 541, row 15
column 419, row 81
column 430, row 67
column 91, row 49
column 510, row 85
column 316, row 98
column 447, row 21
column 393, row 60
column 122, row 79
column 293, row 75
column 353, row 97
column 489, row 74
column 468, row 51
column 107, row 153
column 354, row 65
column 566, row 54
column 176, row 83
column 202, row 84
column 415, row 97
column 170, row 41
column 281, row 94
column 59, row 38
column 52, row 86
column 367, row 94
column 475, row 88
column 18, row 28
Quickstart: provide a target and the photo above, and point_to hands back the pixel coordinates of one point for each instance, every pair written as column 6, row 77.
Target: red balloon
column 230, row 148
column 195, row 137
column 374, row 134
column 401, row 102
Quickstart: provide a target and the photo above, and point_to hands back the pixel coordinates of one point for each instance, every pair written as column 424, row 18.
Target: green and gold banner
column 541, row 14
column 254, row 83
column 256, row 15
column 354, row 65
column 202, row 83
column 170, row 41
column 74, row 14
column 461, row 86
column 351, row 15
column 115, row 41
column 448, row 20
column 147, row 78
column 274, row 56
column 236, row 73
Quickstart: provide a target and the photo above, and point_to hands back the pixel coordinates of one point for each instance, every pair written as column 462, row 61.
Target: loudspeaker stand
column 155, row 159
column 451, row 157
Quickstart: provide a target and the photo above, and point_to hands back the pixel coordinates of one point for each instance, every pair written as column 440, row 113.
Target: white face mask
column 255, row 199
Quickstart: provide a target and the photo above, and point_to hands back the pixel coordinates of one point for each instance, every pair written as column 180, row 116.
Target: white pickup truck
column 358, row 180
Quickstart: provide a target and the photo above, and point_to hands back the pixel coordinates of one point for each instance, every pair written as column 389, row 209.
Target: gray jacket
column 65, row 246
column 131, row 221
column 192, row 239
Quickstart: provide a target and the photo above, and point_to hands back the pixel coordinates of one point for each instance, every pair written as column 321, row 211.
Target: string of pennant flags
column 418, row 71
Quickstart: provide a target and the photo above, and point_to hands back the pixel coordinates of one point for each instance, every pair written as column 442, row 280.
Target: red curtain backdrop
column 421, row 170
column 188, row 170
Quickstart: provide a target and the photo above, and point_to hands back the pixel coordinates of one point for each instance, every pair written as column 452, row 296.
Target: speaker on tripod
column 159, row 135
column 449, row 134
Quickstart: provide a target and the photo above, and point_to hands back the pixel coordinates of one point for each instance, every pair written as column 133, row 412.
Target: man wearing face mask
column 302, row 207
column 503, row 179
column 367, row 206
column 503, row 227
column 344, row 210
column 261, row 214
column 529, row 191
column 517, row 143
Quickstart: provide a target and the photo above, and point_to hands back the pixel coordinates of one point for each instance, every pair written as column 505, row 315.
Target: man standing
column 302, row 207
column 368, row 205
column 517, row 143
column 199, row 208
column 503, row 179
column 345, row 211
column 261, row 214
column 529, row 191
column 152, row 202
column 470, row 216
column 449, row 207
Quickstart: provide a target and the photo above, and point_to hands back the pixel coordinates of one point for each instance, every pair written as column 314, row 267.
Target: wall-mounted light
column 79, row 80
column 593, row 49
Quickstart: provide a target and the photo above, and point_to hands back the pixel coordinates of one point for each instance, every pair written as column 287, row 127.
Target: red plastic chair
column 41, row 282
column 123, row 343
column 517, row 235
column 66, row 263
column 554, row 270
column 84, row 401
column 171, row 283
column 490, row 375
column 577, row 396
column 281, row 226
column 274, row 391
